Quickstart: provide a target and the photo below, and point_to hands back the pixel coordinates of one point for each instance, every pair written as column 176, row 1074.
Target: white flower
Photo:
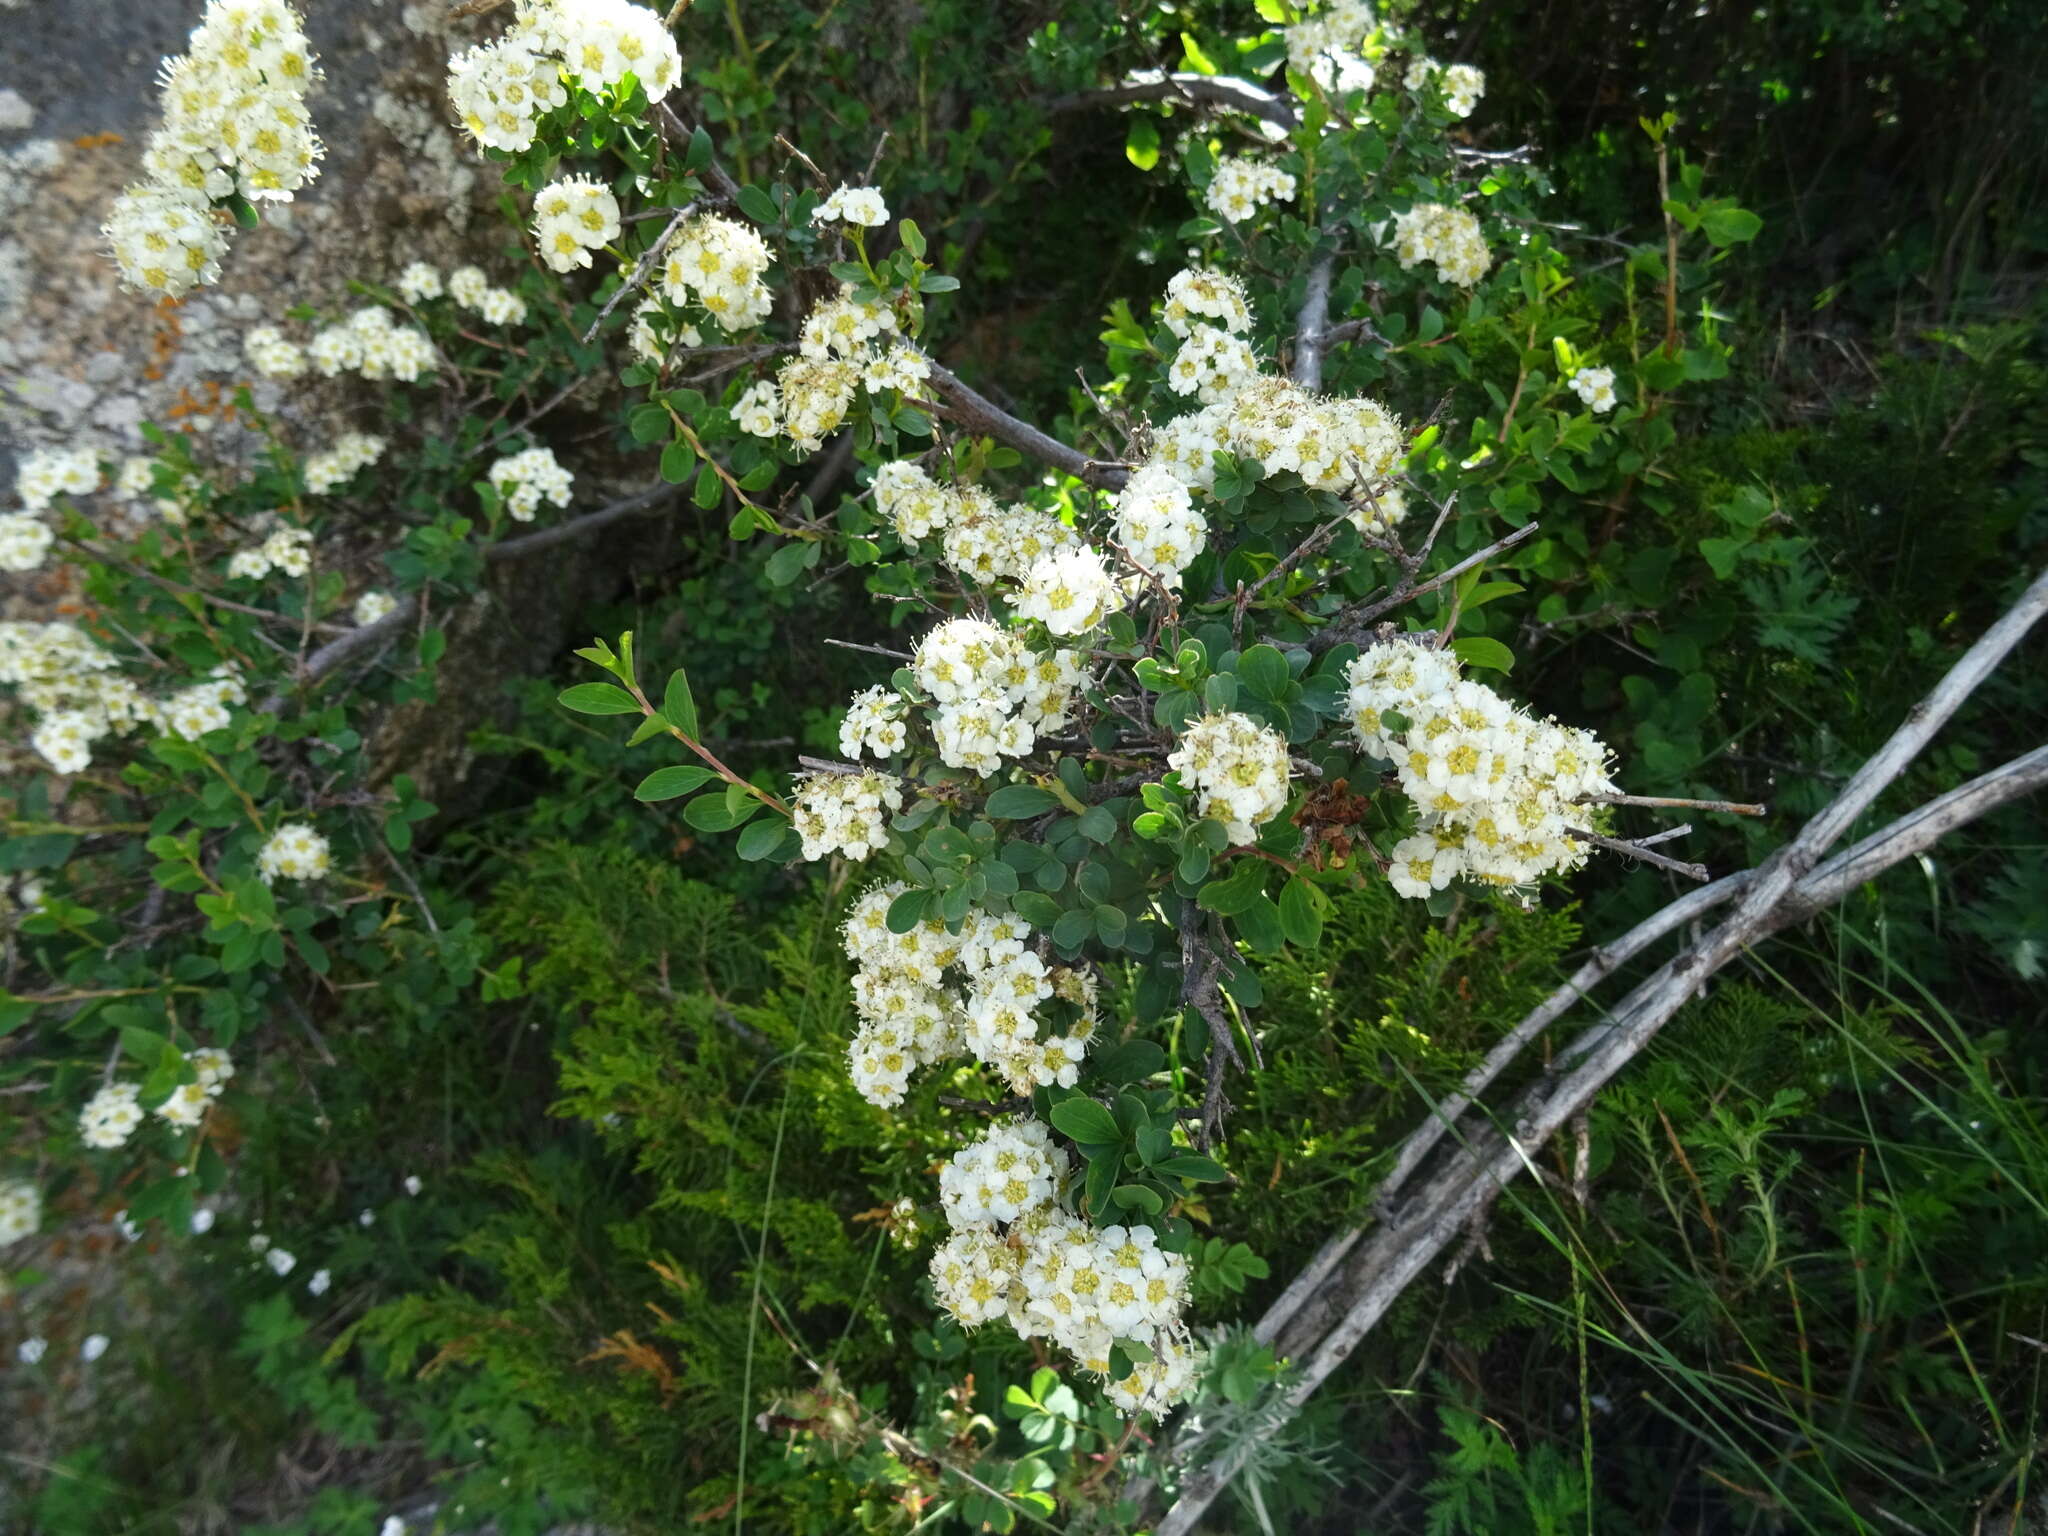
column 573, row 217
column 202, row 1221
column 294, row 852
column 186, row 1106
column 274, row 356
column 64, row 738
column 1240, row 186
column 418, row 282
column 500, row 306
column 527, row 479
column 1069, row 592
column 1157, row 524
column 366, row 1217
column 372, row 606
column 335, row 466
column 93, row 1347
column 718, row 263
column 21, row 1210
column 53, row 472
column 392, row 1526
column 320, row 1281
column 280, row 1261
column 875, row 723
column 110, row 1116
column 845, row 812
column 758, row 411
column 31, row 1350
column 1237, row 769
column 412, row 1184
column 853, row 205
column 1595, row 386
column 1447, row 236
column 467, row 286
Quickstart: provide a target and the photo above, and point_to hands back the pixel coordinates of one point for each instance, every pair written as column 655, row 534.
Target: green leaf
column 710, row 813
column 762, row 838
column 1138, row 1197
column 1131, row 1061
column 1086, row 1122
column 758, row 206
column 1141, row 142
column 1236, row 891
column 648, row 423
column 669, row 783
column 1264, row 671
column 1480, row 651
column 908, row 910
column 1020, row 802
column 935, row 282
column 1730, row 226
column 678, row 707
column 709, row 489
column 1038, row 910
column 678, row 459
column 1097, row 824
column 912, row 237
column 790, row 562
column 1192, row 1165
column 1300, row 917
column 1197, row 60
column 598, row 699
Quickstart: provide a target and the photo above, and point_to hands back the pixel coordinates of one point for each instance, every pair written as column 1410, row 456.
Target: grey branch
column 641, row 268
column 1226, row 91
column 1349, row 1286
column 368, row 636
column 1312, row 327
column 978, row 413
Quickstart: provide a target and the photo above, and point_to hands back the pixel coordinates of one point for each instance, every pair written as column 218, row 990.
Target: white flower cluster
column 500, row 90
column 418, row 282
column 111, row 1115
column 21, row 1210
column 1237, row 769
column 845, row 812
column 288, row 551
column 1242, row 185
column 1595, row 386
column 1461, row 84
column 70, row 682
column 979, row 536
column 1069, row 591
column 53, row 472
column 1157, row 524
column 573, row 217
column 718, row 263
column 294, row 852
column 875, row 722
column 853, row 205
column 337, row 465
column 472, row 290
column 930, row 994
column 992, row 696
column 373, row 606
column 1211, row 364
column 1446, row 235
column 526, row 479
column 235, row 121
column 1051, row 1274
column 1198, row 296
column 1494, row 786
column 24, row 541
column 845, row 346
column 369, row 342
column 1332, row 444
column 1328, row 46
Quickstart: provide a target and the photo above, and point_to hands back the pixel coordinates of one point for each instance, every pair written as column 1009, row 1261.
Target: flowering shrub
column 1152, row 708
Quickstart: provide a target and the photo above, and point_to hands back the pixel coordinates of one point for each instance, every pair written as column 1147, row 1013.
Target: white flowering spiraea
column 235, row 125
column 1069, row 591
column 1595, row 388
column 1461, row 84
column 573, row 217
column 526, row 479
column 1496, row 791
column 333, row 467
column 1240, row 186
column 845, row 812
column 1448, row 236
column 1331, row 46
column 21, row 1210
column 372, row 606
column 1237, row 770
column 501, row 90
column 875, row 724
column 111, row 1115
column 1016, row 1254
column 860, row 207
column 293, row 852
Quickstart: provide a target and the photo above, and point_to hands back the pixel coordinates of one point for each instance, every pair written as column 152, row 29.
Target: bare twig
column 1640, row 850
column 1350, row 624
column 641, row 268
column 1311, row 326
column 1225, row 91
column 1356, row 1279
column 1669, row 803
column 979, row 414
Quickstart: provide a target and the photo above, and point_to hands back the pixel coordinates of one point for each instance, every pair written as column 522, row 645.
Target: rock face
column 83, row 363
